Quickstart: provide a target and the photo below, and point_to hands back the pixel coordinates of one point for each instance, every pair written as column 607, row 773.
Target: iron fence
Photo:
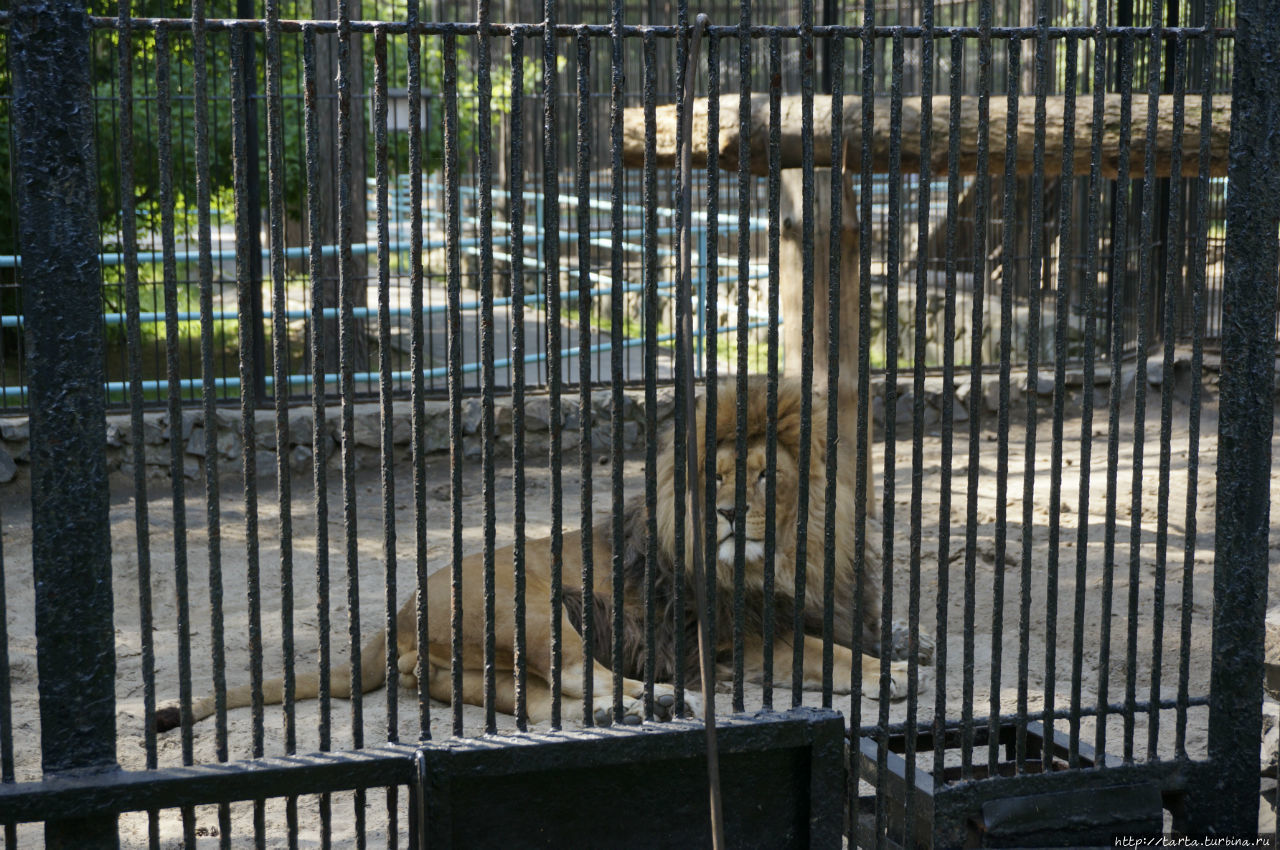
column 1004, row 681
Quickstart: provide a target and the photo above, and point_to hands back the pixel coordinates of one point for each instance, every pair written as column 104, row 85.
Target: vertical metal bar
column 710, row 319
column 386, row 452
column 977, row 315
column 583, row 185
column 280, row 372
column 616, row 83
column 485, row 143
column 248, row 96
column 209, row 397
column 681, row 425
column 1244, row 439
column 862, row 439
column 319, row 428
column 1008, row 269
column 1089, row 308
column 453, row 250
column 803, row 458
column 61, row 294
column 1140, row 381
column 893, row 255
column 551, row 290
column 1035, row 284
column 923, row 203
column 771, row 403
column 520, row 649
column 650, row 366
column 1119, row 266
column 1198, row 264
column 1173, row 269
column 417, row 363
column 744, row 270
column 685, row 296
column 6, row 708
column 948, row 410
column 133, row 335
column 346, row 368
column 164, row 145
column 248, row 396
column 834, row 69
column 1061, row 308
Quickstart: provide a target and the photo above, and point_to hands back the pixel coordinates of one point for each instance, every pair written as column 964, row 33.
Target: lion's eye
column 719, row 479
column 764, row 475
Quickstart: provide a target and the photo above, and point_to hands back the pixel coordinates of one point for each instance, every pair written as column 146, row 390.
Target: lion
column 435, row 662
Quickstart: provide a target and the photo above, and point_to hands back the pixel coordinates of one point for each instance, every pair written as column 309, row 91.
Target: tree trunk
column 327, row 121
column 791, row 295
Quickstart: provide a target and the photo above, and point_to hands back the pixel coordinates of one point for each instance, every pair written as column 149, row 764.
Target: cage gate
column 907, row 225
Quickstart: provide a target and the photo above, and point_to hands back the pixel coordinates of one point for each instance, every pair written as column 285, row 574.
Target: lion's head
column 752, row 513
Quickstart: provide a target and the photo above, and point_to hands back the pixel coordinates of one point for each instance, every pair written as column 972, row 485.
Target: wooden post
column 791, row 291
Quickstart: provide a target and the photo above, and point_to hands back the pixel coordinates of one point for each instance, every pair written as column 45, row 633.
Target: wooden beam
column 1219, row 122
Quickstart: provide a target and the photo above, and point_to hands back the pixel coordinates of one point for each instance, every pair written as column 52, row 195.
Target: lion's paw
column 899, row 681
column 664, row 703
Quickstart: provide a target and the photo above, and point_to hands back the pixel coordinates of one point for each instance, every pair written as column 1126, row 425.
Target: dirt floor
column 17, row 566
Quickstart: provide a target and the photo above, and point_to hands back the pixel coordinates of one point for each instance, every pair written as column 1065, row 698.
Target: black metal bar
column 570, row 31
column 1035, row 285
column 417, row 364
column 385, row 410
column 133, row 335
column 551, row 290
column 708, row 296
column 137, row 790
column 484, row 142
column 209, row 398
column 520, row 647
column 740, row 431
column 1119, row 249
column 1089, row 307
column 977, row 315
column 1173, row 270
column 346, row 368
column 681, row 424
column 650, row 368
column 247, row 93
column 1198, row 268
column 893, row 255
column 948, row 407
column 616, row 84
column 7, row 775
column 1008, row 269
column 1061, row 308
column 803, row 458
column 705, row 645
column 923, row 205
column 319, row 433
column 863, row 498
column 1246, row 416
column 771, row 424
column 248, row 297
column 835, row 68
column 453, row 249
column 52, row 118
column 280, row 370
column 583, row 185
column 1140, row 381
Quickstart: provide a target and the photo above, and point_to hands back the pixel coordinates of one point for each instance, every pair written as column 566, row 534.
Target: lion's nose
column 727, row 513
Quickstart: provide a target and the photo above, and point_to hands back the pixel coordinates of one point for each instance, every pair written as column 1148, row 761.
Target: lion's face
column 753, row 516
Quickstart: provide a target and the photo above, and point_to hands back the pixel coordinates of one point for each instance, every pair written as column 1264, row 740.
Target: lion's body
column 675, row 642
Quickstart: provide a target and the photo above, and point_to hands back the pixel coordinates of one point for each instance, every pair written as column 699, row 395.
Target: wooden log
column 1220, row 129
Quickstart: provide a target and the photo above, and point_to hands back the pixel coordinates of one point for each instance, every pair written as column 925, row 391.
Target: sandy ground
column 130, row 690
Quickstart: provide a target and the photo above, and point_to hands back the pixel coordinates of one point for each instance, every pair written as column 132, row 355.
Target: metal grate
column 521, row 312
